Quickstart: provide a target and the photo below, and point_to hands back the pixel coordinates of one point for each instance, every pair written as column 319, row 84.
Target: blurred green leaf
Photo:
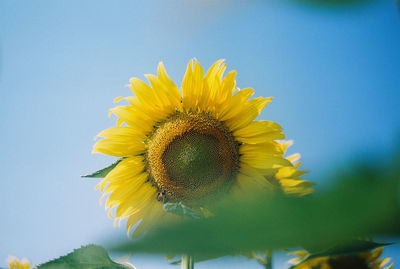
column 103, row 172
column 87, row 257
column 181, row 210
column 335, row 3
column 363, row 202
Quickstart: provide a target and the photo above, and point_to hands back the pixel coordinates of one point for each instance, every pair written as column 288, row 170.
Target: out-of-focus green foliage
column 88, row 257
column 335, row 3
column 363, row 202
column 182, row 210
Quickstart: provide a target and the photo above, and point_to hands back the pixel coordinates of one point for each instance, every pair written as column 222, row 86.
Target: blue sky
column 334, row 75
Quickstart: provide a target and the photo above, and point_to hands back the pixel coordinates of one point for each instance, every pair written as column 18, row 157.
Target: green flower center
column 193, row 159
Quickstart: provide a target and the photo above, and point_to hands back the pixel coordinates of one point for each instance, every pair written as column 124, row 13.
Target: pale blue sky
column 335, row 76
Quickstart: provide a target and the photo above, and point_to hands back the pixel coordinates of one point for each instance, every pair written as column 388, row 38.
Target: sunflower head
column 189, row 145
column 365, row 260
column 192, row 155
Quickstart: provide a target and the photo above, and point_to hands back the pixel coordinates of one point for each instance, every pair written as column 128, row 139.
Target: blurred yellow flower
column 190, row 146
column 287, row 178
column 15, row 263
column 365, row 260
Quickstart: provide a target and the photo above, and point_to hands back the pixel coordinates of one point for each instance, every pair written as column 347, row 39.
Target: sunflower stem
column 268, row 259
column 187, row 262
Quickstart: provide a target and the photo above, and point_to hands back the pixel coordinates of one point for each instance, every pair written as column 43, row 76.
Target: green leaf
column 181, row 210
column 87, row 257
column 345, row 248
column 103, row 172
column 350, row 210
column 361, row 201
column 336, row 3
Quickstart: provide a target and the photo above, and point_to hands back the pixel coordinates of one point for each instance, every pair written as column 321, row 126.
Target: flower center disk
column 192, row 159
column 191, row 156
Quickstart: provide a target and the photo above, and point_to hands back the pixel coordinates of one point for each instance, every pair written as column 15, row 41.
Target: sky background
column 334, row 74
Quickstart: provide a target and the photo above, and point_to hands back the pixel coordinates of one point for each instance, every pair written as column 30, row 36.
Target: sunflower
column 287, row 178
column 15, row 263
column 364, row 260
column 190, row 147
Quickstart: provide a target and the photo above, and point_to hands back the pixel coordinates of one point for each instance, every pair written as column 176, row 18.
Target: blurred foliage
column 363, row 202
column 88, row 257
column 182, row 210
column 335, row 3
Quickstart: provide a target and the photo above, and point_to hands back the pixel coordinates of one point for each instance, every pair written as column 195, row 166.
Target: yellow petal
column 212, row 84
column 170, row 86
column 286, row 172
column 256, row 139
column 294, row 157
column 298, row 191
column 264, row 162
column 235, row 104
column 192, row 86
column 170, row 102
column 122, row 134
column 267, row 148
column 120, row 192
column 145, row 94
column 258, row 128
column 263, row 156
column 126, row 169
column 285, row 144
column 137, row 201
column 134, row 219
column 154, row 215
column 118, row 149
column 374, row 255
column 119, row 98
column 253, row 183
column 384, row 262
column 134, row 118
column 248, row 113
column 296, row 183
column 225, row 90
